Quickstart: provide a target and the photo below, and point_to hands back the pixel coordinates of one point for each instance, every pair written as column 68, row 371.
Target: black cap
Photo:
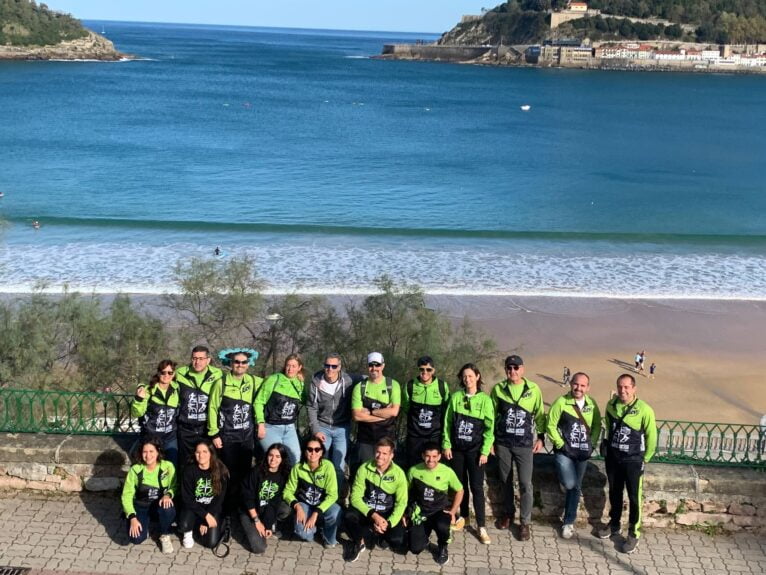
column 513, row 360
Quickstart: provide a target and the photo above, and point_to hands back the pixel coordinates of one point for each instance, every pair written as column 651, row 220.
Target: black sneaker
column 355, row 552
column 441, row 555
column 630, row 544
column 607, row 531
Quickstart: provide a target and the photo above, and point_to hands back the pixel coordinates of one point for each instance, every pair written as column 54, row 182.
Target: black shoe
column 382, row 543
column 355, row 552
column 607, row 532
column 630, row 544
column 441, row 555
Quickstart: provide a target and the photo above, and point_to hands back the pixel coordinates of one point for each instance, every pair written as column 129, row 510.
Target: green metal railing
column 34, row 411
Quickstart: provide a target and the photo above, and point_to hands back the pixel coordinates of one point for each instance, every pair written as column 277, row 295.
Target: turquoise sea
column 331, row 168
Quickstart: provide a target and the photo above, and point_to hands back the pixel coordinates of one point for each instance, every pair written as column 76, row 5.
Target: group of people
column 201, row 428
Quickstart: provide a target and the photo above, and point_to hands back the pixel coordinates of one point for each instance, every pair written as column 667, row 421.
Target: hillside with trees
column 26, row 23
column 706, row 21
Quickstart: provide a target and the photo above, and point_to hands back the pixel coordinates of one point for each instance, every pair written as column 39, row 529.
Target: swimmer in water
column 36, row 224
column 217, row 251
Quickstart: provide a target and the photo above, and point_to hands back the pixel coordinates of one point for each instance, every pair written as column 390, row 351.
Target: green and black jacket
column 375, row 493
column 230, row 412
column 469, row 423
column 158, row 411
column 519, row 413
column 425, row 406
column 195, row 391
column 279, row 400
column 369, row 395
column 566, row 429
column 143, row 487
column 317, row 488
column 635, row 439
column 430, row 489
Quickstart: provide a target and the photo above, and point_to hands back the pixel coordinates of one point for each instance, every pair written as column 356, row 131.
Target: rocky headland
column 91, row 47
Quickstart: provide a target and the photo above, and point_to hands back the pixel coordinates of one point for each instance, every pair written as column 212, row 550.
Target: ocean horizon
column 331, row 168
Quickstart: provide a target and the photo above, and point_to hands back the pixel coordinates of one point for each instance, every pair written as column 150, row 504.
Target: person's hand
column 451, row 516
column 381, row 525
column 311, row 521
column 492, row 450
column 135, row 527
column 141, row 392
column 300, row 515
column 447, row 453
column 218, row 443
column 211, row 522
column 202, row 529
column 320, row 436
column 261, row 430
column 482, row 460
column 261, row 529
column 166, row 502
column 538, row 447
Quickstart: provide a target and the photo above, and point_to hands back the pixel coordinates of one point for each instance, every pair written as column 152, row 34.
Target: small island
column 650, row 35
column 31, row 31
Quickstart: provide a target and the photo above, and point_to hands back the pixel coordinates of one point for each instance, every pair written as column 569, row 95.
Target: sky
column 384, row 15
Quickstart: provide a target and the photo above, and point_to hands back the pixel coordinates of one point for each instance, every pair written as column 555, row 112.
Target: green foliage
column 25, row 23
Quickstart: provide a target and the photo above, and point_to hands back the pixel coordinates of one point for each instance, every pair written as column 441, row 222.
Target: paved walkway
column 85, row 534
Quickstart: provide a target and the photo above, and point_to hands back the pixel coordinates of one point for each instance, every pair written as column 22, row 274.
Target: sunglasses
column 240, row 361
column 331, row 365
column 167, row 372
column 374, row 364
column 199, row 358
column 314, row 449
column 512, row 367
column 425, row 369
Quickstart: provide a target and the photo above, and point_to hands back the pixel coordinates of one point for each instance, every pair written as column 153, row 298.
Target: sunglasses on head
column 425, row 369
column 167, row 372
column 374, row 364
column 512, row 367
column 314, row 449
column 240, row 361
column 331, row 365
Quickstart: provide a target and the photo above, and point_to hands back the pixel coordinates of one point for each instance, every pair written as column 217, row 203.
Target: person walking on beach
column 641, row 358
column 637, row 360
column 195, row 381
column 424, row 400
column 652, row 369
column 574, row 426
column 328, row 403
column 375, row 405
column 631, row 439
column 519, row 434
column 565, row 377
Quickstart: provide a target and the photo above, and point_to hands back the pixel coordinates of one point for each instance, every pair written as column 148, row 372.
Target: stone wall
column 710, row 497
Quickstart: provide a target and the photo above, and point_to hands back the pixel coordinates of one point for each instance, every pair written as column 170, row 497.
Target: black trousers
column 238, row 457
column 414, row 449
column 419, row 534
column 360, row 528
column 624, row 475
column 269, row 514
column 188, row 521
column 466, row 466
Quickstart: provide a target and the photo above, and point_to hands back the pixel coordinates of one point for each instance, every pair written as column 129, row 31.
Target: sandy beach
column 709, row 353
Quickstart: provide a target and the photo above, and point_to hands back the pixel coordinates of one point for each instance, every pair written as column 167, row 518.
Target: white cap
column 375, row 357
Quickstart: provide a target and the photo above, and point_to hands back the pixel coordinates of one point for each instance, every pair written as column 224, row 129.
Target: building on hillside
column 577, row 6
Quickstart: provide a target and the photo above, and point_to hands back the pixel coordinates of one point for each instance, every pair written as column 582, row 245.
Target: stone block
column 41, row 486
column 102, row 484
column 652, row 507
column 10, row 482
column 742, row 509
column 748, row 520
column 661, row 522
column 699, row 518
column 71, row 484
column 28, row 470
column 713, row 507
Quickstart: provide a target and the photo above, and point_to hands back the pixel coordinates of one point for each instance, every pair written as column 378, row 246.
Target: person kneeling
column 203, row 489
column 312, row 491
column 148, row 492
column 430, row 483
column 378, row 501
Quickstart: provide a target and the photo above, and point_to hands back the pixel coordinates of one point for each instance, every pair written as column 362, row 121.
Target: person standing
column 328, row 403
column 230, row 418
column 565, row 378
column 430, row 509
column 194, row 384
column 519, row 434
column 424, row 400
column 204, row 488
column 278, row 405
column 378, row 501
column 156, row 405
column 375, row 404
column 467, row 440
column 631, row 440
column 311, row 491
column 652, row 370
column 574, row 426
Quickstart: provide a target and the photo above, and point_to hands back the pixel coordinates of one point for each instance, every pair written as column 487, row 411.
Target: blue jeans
column 570, row 474
column 285, row 434
column 336, row 446
column 329, row 518
column 145, row 513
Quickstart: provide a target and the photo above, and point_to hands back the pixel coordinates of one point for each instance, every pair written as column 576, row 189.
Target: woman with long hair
column 312, row 492
column 262, row 503
column 278, row 405
column 156, row 406
column 203, row 490
column 148, row 494
column 468, row 436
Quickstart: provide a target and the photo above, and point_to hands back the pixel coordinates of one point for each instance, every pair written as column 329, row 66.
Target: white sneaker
column 484, row 536
column 166, row 544
column 567, row 531
column 188, row 540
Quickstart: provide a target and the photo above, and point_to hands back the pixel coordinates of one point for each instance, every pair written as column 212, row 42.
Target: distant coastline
column 91, row 47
